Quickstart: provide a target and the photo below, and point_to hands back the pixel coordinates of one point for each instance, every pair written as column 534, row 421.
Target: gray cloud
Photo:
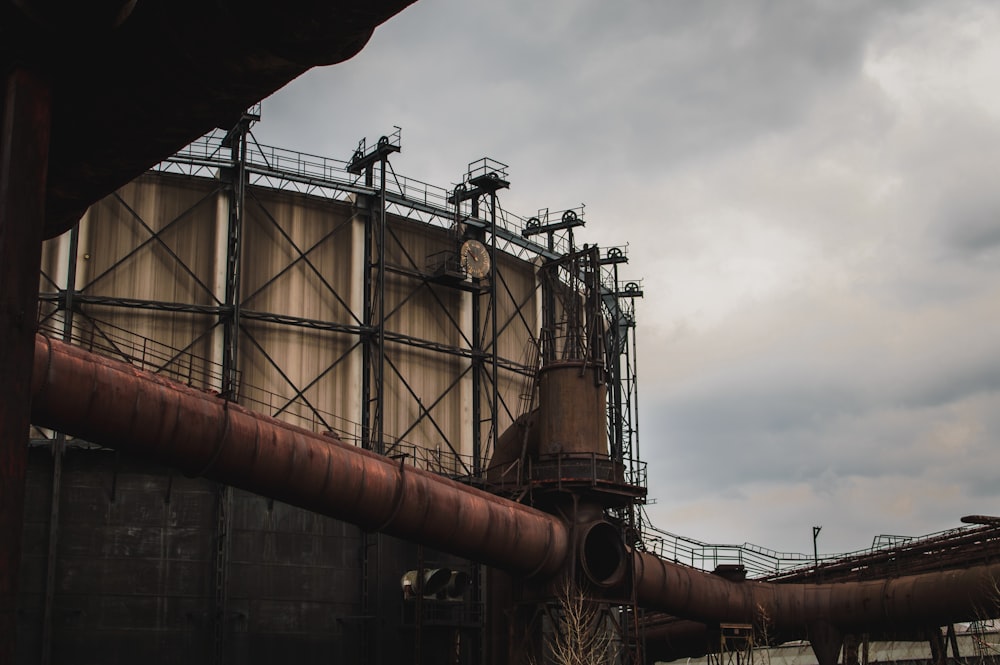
column 808, row 189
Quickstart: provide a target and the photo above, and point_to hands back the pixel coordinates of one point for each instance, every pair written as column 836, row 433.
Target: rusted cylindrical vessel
column 572, row 403
column 112, row 403
column 930, row 599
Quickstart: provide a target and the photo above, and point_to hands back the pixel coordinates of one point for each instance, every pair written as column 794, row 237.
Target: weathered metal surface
column 24, row 141
column 927, row 599
column 111, row 402
column 572, row 414
column 135, row 573
column 134, row 562
column 669, row 638
column 115, row 404
column 300, row 302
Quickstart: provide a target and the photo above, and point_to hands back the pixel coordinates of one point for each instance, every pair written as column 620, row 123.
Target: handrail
column 281, row 168
column 201, row 373
column 762, row 562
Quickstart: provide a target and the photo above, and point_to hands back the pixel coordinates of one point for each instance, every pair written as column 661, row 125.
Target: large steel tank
column 184, row 274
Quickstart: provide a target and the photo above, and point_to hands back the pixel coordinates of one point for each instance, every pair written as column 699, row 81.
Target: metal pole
column 618, row 440
column 477, row 383
column 380, row 403
column 816, row 530
column 495, row 399
column 230, row 371
column 367, row 319
column 633, row 399
column 380, row 388
column 231, row 322
column 548, row 331
column 24, row 150
column 371, row 431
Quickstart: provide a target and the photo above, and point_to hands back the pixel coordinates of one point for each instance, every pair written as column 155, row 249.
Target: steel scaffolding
column 227, row 317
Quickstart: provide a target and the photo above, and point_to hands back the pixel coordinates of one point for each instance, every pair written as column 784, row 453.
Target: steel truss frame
column 241, row 168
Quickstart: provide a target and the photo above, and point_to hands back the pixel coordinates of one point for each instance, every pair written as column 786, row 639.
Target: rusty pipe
column 930, row 599
column 112, row 403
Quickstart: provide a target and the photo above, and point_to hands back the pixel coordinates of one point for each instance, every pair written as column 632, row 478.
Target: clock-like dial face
column 475, row 259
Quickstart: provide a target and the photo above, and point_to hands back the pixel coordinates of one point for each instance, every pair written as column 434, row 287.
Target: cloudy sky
column 810, row 192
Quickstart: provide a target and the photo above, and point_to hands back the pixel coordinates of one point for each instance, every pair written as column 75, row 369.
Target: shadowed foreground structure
column 144, row 79
column 94, row 94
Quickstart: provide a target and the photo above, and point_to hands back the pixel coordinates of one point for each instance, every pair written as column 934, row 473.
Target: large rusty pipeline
column 927, row 599
column 110, row 402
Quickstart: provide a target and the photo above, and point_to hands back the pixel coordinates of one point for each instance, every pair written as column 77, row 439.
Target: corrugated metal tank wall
column 424, row 405
column 298, row 261
column 153, row 240
column 135, row 573
column 122, row 258
column 301, row 258
column 518, row 302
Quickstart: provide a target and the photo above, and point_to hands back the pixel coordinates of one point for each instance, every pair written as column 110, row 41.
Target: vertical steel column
column 617, row 424
column 372, row 384
column 487, row 182
column 595, row 321
column 231, row 306
column 632, row 395
column 230, row 318
column 495, row 398
column 367, row 540
column 548, row 331
column 58, row 449
column 621, row 449
column 477, row 382
column 373, row 350
column 24, row 151
column 377, row 658
column 367, row 322
column 478, row 354
column 380, row 363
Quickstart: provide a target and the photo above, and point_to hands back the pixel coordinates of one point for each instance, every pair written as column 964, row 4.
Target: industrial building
column 277, row 280
column 425, row 325
column 283, row 407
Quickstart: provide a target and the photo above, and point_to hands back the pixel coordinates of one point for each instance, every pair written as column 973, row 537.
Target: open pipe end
column 602, row 555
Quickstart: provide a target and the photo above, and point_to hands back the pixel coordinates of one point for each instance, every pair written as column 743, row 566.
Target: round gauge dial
column 475, row 259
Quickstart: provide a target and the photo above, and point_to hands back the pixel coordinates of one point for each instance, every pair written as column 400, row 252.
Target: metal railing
column 111, row 341
column 442, row 461
column 283, row 169
column 761, row 562
column 591, row 469
column 185, row 367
